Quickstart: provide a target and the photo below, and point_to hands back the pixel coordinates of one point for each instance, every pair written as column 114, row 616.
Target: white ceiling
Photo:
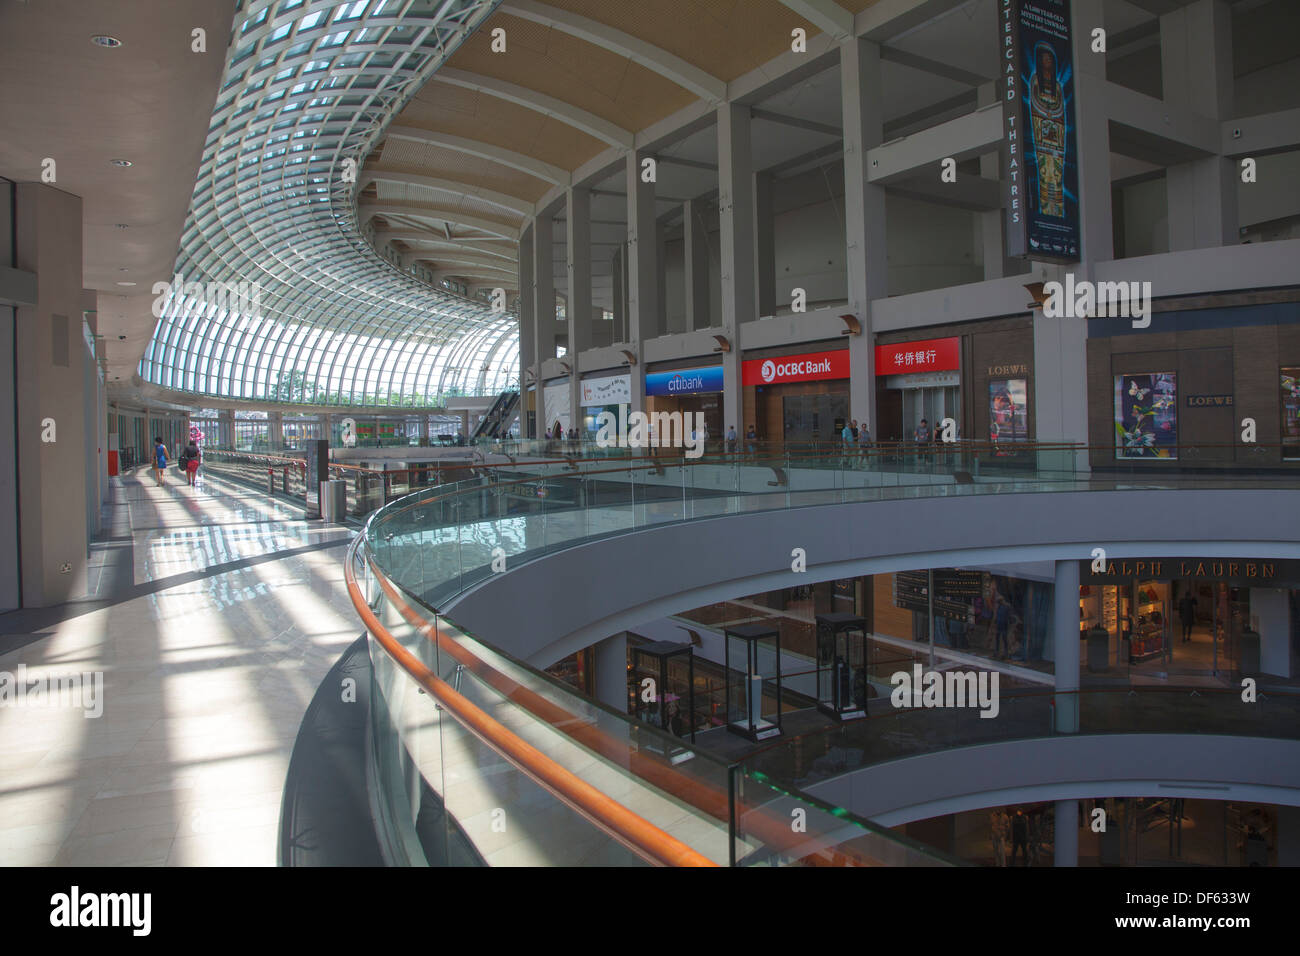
column 148, row 101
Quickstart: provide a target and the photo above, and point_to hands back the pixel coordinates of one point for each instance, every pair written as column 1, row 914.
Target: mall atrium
column 670, row 433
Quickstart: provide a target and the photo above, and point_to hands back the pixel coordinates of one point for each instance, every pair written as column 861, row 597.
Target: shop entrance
column 932, row 404
column 1163, row 629
column 814, row 418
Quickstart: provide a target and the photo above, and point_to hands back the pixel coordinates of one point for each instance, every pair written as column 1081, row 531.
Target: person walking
column 864, row 445
column 159, row 460
column 1019, row 838
column 731, row 439
column 751, row 440
column 1187, row 612
column 190, row 461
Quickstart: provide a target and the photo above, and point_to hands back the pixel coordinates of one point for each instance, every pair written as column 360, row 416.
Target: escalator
column 497, row 421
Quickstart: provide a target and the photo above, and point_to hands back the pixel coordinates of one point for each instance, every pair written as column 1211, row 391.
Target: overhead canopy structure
column 276, row 296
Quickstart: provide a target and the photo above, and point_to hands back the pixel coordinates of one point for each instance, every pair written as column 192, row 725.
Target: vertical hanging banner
column 1040, row 152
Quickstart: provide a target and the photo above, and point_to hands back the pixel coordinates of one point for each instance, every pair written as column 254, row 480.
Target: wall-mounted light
column 1035, row 290
column 723, row 344
column 851, row 325
column 631, row 359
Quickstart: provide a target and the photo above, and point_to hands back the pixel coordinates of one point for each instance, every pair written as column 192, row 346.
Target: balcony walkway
column 213, row 614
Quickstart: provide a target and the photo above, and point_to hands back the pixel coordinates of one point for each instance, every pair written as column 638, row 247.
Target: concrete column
column 618, row 306
column 1060, row 375
column 765, row 248
column 642, row 254
column 578, row 214
column 275, row 430
column 695, row 254
column 1066, row 833
column 864, row 214
column 49, row 369
column 544, row 287
column 225, row 427
column 528, row 371
column 1065, row 638
column 736, row 222
column 327, row 428
column 1196, row 65
column 661, row 276
column 1270, row 608
column 611, row 672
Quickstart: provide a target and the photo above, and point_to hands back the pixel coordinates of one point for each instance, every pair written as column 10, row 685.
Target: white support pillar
column 611, row 672
column 544, row 307
column 641, row 270
column 695, row 254
column 1066, row 833
column 864, row 214
column 617, row 304
column 1196, row 64
column 528, row 371
column 275, row 430
column 736, row 222
column 578, row 238
column 1065, row 643
column 767, row 296
column 544, row 287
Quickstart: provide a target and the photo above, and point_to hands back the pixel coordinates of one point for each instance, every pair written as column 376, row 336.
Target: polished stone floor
column 212, row 614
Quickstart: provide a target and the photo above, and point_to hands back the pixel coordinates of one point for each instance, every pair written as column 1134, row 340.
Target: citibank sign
column 809, row 367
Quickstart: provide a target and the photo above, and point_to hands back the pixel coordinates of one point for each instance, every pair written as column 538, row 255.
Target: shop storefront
column 555, row 407
column 1182, row 389
column 1187, row 617
column 979, row 374
column 800, row 398
column 688, row 390
column 602, row 393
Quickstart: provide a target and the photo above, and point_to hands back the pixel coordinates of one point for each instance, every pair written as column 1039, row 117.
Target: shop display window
column 1146, row 415
column 662, row 685
column 1008, row 409
column 841, row 665
column 1150, row 634
column 753, row 688
column 1291, row 414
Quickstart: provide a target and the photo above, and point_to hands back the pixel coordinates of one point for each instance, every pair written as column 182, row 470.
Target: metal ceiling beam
column 497, row 154
column 685, row 75
column 513, row 204
column 825, row 15
column 567, row 113
column 368, row 210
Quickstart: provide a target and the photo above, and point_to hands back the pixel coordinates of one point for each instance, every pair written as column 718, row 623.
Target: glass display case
column 1149, row 639
column 841, row 665
column 753, row 686
column 662, row 679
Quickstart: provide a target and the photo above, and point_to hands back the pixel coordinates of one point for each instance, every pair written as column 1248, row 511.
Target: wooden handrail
column 634, row 832
column 694, row 792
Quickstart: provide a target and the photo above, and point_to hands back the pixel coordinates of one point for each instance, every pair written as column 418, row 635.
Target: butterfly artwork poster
column 1146, row 415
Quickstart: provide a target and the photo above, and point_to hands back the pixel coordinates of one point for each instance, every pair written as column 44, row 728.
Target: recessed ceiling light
column 121, row 225
column 126, row 283
column 121, row 162
column 104, row 40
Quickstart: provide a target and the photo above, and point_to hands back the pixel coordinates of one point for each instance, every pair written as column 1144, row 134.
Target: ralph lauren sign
column 1246, row 571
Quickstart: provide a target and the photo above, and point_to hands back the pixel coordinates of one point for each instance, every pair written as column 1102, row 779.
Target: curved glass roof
column 319, row 317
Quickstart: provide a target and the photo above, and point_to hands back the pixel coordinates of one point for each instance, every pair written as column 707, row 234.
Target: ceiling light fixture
column 121, row 162
column 121, row 225
column 126, row 283
column 106, row 41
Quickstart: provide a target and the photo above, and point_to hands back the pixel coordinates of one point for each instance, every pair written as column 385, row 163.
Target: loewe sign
column 1209, row 401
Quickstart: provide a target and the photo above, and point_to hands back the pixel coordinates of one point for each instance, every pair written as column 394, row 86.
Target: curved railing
column 523, row 768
